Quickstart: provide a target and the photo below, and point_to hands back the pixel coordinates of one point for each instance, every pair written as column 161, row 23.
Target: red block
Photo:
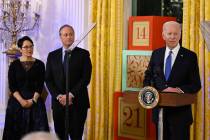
column 128, row 103
column 145, row 32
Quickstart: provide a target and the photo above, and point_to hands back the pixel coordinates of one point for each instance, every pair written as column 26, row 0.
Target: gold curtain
column 105, row 45
column 195, row 11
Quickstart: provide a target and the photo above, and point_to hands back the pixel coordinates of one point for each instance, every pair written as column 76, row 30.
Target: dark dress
column 26, row 78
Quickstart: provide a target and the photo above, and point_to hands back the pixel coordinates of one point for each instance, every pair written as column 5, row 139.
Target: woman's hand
column 26, row 103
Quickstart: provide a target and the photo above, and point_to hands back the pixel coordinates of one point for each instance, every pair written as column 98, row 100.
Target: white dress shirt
column 173, row 55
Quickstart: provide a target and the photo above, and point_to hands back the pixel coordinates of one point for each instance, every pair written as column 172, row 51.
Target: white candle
column 36, row 7
column 39, row 6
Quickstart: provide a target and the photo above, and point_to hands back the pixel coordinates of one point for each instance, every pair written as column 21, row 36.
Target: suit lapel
column 60, row 65
column 162, row 55
column 162, row 59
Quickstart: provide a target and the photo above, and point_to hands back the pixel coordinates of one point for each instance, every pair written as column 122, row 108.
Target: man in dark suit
column 79, row 77
column 173, row 69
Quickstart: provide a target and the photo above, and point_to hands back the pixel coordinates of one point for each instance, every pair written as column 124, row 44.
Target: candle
column 38, row 5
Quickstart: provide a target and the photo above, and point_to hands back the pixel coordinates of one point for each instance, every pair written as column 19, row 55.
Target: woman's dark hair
column 21, row 40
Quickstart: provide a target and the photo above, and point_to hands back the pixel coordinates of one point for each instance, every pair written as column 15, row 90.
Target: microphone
column 82, row 36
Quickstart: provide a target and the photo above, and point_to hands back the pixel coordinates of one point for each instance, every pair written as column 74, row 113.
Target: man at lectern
column 79, row 73
column 173, row 69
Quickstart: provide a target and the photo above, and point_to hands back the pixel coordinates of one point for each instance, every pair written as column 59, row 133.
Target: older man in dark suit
column 173, row 69
column 79, row 77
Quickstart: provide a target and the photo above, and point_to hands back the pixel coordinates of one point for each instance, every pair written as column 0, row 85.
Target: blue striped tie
column 168, row 66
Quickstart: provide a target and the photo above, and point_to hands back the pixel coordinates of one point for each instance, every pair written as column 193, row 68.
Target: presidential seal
column 148, row 97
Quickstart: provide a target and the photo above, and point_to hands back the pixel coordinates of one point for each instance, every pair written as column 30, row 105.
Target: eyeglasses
column 27, row 47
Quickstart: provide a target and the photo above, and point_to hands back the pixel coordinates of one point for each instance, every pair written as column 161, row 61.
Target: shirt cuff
column 179, row 89
column 58, row 96
column 70, row 94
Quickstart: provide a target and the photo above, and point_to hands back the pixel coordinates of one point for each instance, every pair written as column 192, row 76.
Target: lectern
column 149, row 97
column 174, row 99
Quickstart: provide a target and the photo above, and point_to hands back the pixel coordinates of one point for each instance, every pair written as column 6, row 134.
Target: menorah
column 16, row 16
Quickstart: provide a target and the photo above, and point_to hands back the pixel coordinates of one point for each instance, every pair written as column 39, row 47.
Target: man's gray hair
column 172, row 23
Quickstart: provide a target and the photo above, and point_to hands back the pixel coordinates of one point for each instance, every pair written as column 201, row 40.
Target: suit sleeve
column 148, row 74
column 12, row 78
column 86, row 76
column 153, row 74
column 194, row 84
column 49, row 78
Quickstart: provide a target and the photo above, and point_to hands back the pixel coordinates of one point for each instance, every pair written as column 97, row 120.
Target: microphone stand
column 67, row 98
column 67, row 78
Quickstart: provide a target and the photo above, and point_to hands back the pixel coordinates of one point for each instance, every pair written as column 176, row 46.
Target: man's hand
column 174, row 90
column 62, row 99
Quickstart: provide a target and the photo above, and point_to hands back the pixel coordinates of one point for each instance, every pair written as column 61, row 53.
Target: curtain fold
column 105, row 45
column 194, row 12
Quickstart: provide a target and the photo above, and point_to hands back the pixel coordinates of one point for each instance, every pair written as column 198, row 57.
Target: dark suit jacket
column 184, row 74
column 79, row 76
